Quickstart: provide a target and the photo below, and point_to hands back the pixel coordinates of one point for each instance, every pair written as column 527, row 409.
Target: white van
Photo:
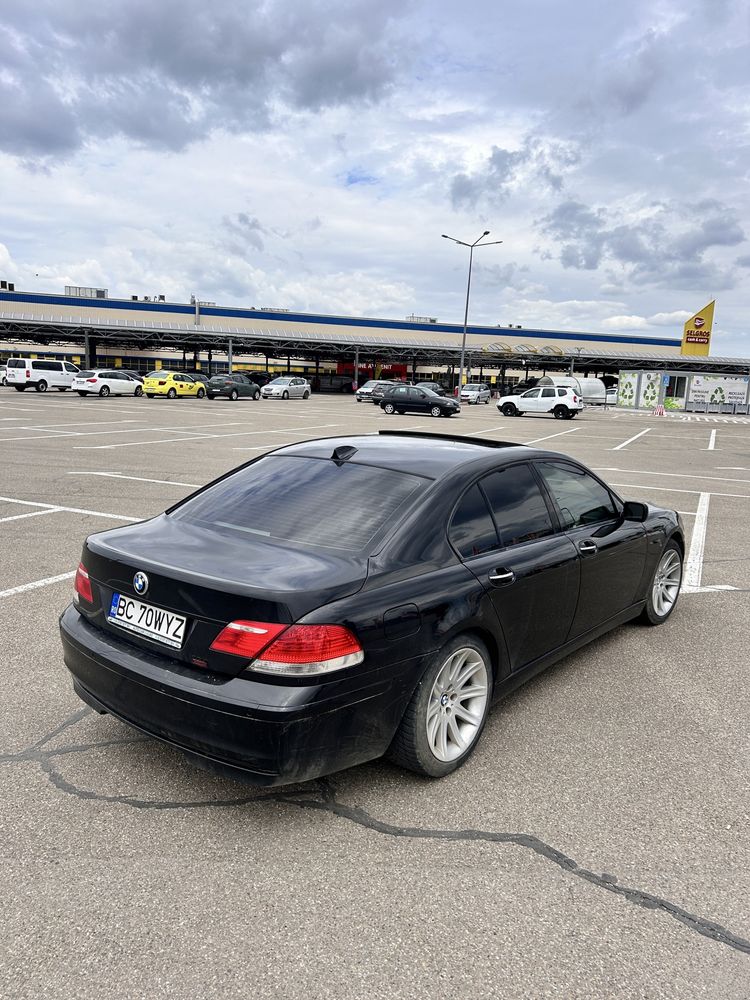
column 39, row 373
column 591, row 390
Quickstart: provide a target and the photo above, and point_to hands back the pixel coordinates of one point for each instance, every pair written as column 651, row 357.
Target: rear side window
column 310, row 502
column 16, row 363
column 472, row 531
column 517, row 505
column 581, row 498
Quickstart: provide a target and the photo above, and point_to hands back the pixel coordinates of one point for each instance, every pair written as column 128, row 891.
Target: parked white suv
column 475, row 392
column 39, row 373
column 561, row 401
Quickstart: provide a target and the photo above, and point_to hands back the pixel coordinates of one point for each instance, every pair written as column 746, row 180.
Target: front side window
column 531, row 394
column 517, row 505
column 472, row 530
column 69, row 367
column 582, row 500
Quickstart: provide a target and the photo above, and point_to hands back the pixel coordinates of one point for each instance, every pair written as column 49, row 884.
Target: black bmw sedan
column 413, row 399
column 345, row 598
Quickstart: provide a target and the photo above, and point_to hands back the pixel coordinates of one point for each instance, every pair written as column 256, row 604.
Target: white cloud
column 625, row 323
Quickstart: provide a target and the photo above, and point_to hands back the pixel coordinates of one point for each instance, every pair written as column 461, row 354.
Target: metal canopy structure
column 18, row 327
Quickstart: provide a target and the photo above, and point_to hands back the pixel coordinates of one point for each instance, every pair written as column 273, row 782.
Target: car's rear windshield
column 85, row 374
column 310, row 502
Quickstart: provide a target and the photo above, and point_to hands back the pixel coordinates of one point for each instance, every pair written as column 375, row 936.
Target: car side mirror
column 634, row 510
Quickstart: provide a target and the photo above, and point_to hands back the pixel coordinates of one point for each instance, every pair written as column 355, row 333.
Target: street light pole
column 477, row 243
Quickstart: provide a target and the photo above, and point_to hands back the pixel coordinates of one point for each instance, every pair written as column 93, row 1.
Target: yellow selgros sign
column 696, row 336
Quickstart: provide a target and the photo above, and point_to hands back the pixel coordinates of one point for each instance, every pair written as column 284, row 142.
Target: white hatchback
column 105, row 382
column 561, row 401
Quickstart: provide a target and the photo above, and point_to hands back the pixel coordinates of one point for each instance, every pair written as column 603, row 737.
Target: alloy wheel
column 457, row 704
column 666, row 585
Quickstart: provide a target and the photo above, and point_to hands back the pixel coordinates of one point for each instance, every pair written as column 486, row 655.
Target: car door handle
column 502, row 576
column 587, row 547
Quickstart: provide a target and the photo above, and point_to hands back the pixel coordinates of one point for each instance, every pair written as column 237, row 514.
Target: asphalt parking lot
column 596, row 845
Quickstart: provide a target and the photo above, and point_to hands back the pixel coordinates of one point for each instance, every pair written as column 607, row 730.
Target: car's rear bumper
column 267, row 733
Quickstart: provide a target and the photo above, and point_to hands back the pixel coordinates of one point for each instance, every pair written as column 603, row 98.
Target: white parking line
column 137, row 479
column 694, row 561
column 691, row 582
column 33, row 513
column 711, row 442
column 488, row 430
column 635, row 437
column 70, row 510
column 671, row 489
column 672, row 475
column 130, row 444
column 547, row 437
column 37, row 583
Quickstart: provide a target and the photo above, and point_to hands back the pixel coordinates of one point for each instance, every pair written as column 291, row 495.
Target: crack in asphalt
column 304, row 798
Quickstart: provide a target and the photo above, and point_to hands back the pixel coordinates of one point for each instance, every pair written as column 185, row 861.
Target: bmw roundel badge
column 140, row 583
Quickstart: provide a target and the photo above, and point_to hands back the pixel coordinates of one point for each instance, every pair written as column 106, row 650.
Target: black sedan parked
column 340, row 599
column 232, row 386
column 412, row 399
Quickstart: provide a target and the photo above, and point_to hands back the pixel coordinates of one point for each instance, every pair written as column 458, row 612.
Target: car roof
column 425, row 454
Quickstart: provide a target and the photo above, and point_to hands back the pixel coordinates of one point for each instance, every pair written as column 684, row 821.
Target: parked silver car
column 364, row 393
column 287, row 387
column 475, row 392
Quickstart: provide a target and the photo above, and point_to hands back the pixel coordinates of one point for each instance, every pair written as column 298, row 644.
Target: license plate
column 146, row 620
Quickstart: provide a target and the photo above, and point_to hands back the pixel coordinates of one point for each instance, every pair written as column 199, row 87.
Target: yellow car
column 172, row 385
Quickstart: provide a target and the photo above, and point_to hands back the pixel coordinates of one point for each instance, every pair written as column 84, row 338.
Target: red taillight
column 290, row 649
column 575, row 399
column 83, row 584
column 245, row 638
column 28, row 373
column 162, row 383
column 91, row 380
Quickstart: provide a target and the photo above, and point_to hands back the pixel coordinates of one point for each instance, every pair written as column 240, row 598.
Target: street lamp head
column 486, row 232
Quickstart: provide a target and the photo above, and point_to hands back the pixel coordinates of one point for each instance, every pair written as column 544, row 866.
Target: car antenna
column 343, row 453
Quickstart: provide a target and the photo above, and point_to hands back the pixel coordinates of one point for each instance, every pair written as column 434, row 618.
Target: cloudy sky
column 309, row 153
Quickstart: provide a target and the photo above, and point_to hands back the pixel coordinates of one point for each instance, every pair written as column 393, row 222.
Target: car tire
column 430, row 740
column 561, row 412
column 138, row 391
column 200, row 393
column 172, row 393
column 234, row 395
column 62, row 388
column 435, row 411
column 664, row 588
column 256, row 395
column 81, row 394
column 509, row 410
column 19, row 388
column 104, row 391
column 389, row 408
column 149, row 395
column 305, row 394
column 572, row 413
column 285, row 394
column 41, row 386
